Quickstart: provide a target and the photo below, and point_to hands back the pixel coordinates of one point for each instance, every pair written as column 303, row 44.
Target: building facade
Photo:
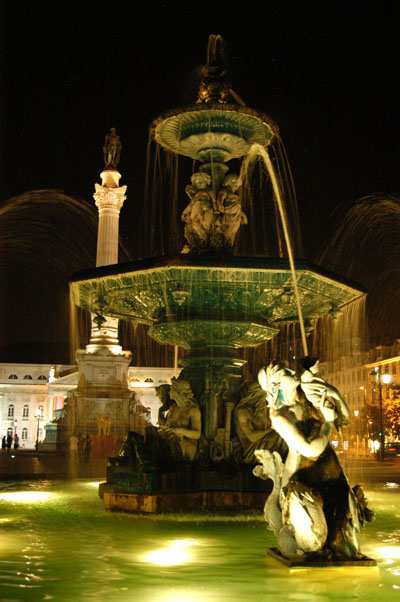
column 33, row 395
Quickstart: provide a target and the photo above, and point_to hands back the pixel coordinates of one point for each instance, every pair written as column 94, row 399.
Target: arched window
column 149, row 380
column 24, row 434
column 42, row 377
column 25, row 412
column 10, row 431
column 27, row 377
column 11, row 411
column 13, row 377
column 40, row 408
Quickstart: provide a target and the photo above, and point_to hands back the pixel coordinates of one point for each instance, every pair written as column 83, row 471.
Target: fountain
column 213, row 303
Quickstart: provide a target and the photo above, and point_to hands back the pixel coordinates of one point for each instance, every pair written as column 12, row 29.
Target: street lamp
column 378, row 377
column 38, row 415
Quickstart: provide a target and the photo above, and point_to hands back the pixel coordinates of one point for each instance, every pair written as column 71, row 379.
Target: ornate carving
column 243, row 291
column 110, row 199
column 213, row 217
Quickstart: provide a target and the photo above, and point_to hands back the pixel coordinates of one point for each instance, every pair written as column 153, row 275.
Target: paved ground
column 372, row 471
column 26, row 464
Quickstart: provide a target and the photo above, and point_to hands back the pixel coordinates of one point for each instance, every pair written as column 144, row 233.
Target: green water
column 64, row 546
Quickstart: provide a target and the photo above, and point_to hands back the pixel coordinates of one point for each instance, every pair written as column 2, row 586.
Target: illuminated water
column 59, row 544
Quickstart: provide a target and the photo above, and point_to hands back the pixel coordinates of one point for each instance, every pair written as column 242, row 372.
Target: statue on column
column 112, row 150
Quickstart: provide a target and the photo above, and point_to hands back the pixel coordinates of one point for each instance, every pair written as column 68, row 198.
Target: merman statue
column 312, row 509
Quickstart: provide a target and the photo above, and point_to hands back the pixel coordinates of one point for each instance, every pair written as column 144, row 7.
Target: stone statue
column 175, row 442
column 112, row 150
column 231, row 216
column 312, row 509
column 103, row 424
column 212, row 219
column 162, row 392
column 199, row 214
column 182, row 427
column 253, row 426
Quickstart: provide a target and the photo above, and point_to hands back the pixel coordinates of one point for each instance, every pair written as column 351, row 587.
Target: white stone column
column 109, row 198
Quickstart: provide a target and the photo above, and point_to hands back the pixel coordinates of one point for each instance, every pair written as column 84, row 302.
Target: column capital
column 109, row 198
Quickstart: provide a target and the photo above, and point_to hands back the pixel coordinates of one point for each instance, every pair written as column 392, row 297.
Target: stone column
column 109, row 198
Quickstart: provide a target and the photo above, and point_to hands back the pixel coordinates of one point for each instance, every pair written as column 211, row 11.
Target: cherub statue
column 229, row 207
column 199, row 213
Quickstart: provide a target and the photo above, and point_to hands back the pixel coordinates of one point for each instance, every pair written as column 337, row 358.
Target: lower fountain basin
column 203, row 300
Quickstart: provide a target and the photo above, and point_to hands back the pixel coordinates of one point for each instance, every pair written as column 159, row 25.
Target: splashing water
column 366, row 248
column 45, row 236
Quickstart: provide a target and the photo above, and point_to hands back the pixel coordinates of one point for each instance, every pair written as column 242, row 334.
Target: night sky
column 326, row 71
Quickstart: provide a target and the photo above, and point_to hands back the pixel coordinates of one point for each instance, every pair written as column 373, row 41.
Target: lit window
column 13, row 377
column 27, row 377
column 24, row 435
column 11, row 411
column 25, row 412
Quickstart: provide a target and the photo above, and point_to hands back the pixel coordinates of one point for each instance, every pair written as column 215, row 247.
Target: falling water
column 366, row 248
column 45, row 236
column 258, row 150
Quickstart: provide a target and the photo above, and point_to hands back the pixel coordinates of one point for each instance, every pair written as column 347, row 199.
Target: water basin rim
column 215, row 262
column 221, row 107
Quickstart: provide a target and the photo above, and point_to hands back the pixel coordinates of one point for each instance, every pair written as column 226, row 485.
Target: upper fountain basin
column 213, row 131
column 189, row 299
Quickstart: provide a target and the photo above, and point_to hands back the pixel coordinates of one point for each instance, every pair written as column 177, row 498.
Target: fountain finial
column 214, row 86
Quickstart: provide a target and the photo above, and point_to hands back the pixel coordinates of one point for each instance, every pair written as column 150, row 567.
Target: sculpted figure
column 174, row 443
column 199, row 214
column 112, row 149
column 182, row 426
column 311, row 509
column 163, row 395
column 253, row 426
column 103, row 424
column 231, row 215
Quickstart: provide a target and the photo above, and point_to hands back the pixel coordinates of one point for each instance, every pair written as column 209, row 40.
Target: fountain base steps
column 308, row 562
column 183, row 491
column 184, row 502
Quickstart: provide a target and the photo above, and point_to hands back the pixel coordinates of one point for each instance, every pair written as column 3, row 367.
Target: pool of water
column 57, row 543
